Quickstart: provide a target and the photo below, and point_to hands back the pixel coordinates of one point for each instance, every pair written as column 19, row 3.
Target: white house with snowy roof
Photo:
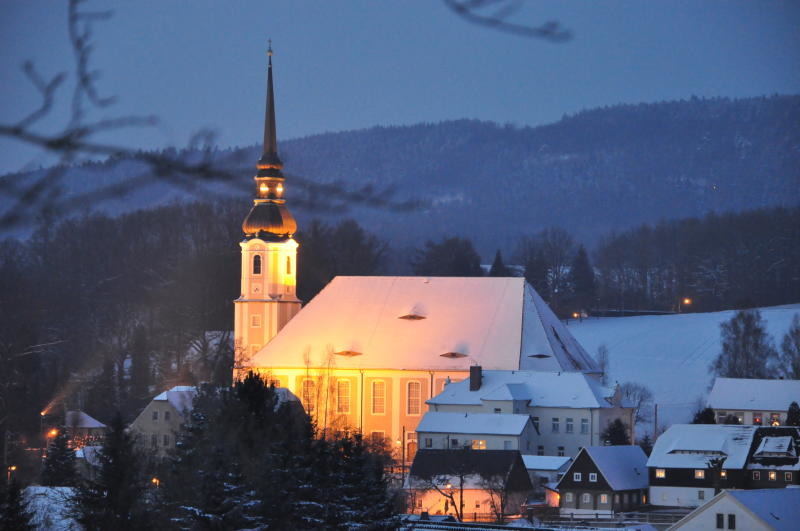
column 568, row 410
column 479, row 431
column 753, row 510
column 753, row 401
column 157, row 424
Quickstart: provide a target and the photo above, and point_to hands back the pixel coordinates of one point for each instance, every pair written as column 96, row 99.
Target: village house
column 568, row 410
column 368, row 352
column 604, row 480
column 467, row 482
column 157, row 424
column 545, row 472
column 753, row 402
column 83, row 429
column 479, row 431
column 750, row 510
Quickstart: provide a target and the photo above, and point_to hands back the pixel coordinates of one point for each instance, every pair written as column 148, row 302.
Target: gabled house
column 604, row 480
column 83, row 429
column 753, row 401
column 545, row 472
column 568, row 410
column 774, row 463
column 156, row 426
column 463, row 482
column 751, row 510
column 479, row 431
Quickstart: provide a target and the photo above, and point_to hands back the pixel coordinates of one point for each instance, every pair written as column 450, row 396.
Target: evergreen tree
column 140, row 371
column 116, row 498
column 704, row 416
column 536, row 273
column 790, row 350
column 59, row 466
column 616, row 433
column 499, row 269
column 453, row 257
column 646, row 444
column 581, row 277
column 793, row 415
column 14, row 513
column 747, row 350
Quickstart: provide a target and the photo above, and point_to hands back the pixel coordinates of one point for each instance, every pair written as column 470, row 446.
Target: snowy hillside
column 670, row 354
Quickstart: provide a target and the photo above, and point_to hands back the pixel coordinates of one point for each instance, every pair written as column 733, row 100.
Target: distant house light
column 348, row 353
column 453, row 355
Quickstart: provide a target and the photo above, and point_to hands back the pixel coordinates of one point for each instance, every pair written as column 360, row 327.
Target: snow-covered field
column 670, row 354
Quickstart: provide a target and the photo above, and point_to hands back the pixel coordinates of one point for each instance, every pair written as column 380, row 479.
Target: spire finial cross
column 269, row 49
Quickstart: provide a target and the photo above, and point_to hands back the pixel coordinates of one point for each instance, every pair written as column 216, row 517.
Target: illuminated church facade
column 368, row 352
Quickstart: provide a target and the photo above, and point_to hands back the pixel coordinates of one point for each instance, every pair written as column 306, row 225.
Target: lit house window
column 257, row 264
column 378, row 397
column 592, row 477
column 661, row 473
column 758, row 419
column 414, row 397
column 775, row 419
column 479, row 444
column 568, row 427
column 308, row 394
column 773, row 475
column 555, row 425
column 343, row 396
column 576, row 476
column 584, row 426
column 604, row 498
column 699, row 474
column 723, row 474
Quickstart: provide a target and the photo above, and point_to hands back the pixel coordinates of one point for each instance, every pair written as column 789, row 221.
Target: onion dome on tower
column 269, row 218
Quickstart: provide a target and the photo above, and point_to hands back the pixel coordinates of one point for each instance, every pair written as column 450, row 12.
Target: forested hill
column 590, row 172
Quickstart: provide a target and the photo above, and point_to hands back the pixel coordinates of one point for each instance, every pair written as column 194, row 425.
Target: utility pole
column 655, row 423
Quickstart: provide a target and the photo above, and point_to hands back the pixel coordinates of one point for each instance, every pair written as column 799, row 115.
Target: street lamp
column 156, row 482
column 686, row 301
column 11, row 469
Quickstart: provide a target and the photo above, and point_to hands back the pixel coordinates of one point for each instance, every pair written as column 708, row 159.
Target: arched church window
column 288, row 265
column 413, row 398
column 257, row 264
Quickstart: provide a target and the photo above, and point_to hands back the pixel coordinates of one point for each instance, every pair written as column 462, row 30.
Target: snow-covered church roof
column 444, row 323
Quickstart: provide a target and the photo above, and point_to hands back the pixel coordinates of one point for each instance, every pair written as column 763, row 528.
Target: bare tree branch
column 477, row 12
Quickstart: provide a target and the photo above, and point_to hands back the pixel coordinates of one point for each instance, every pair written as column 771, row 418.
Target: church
column 368, row 352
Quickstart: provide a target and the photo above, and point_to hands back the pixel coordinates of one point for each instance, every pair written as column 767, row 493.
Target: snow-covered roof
column 545, row 462
column 624, row 467
column 541, row 389
column 442, row 323
column 90, row 454
column 749, row 394
column 778, row 508
column 692, row 445
column 770, row 446
column 474, row 423
column 79, row 419
column 181, row 397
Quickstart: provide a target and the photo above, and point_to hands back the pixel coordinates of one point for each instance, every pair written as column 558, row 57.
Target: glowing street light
column 686, row 301
column 156, row 482
column 52, row 433
column 11, row 469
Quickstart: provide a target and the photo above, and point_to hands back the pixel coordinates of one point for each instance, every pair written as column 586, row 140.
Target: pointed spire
column 270, row 154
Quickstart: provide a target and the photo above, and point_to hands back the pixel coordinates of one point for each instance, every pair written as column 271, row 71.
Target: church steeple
column 269, row 218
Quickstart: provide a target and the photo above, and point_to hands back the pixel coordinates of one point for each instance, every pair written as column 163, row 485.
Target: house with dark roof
column 465, row 481
column 83, row 429
column 753, row 510
column 604, row 480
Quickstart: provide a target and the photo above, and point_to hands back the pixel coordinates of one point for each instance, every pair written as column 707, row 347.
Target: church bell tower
column 269, row 253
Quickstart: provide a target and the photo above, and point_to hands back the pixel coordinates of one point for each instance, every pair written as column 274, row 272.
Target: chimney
column 475, row 376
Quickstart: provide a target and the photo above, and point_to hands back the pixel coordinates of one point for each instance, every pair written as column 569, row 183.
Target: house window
column 498, row 410
column 255, row 321
column 507, row 445
column 166, row 440
column 584, row 426
column 555, row 424
column 479, row 444
column 560, row 451
column 154, row 440
column 166, row 416
column 377, row 436
column 787, row 476
column 773, row 475
column 428, row 442
column 414, row 397
column 720, row 521
column 756, row 475
column 477, row 504
column 661, row 473
column 569, row 426
column 378, row 397
column 343, row 396
column 288, row 265
column 604, row 498
column 739, row 416
column 593, row 477
column 155, row 415
column 536, row 423
column 701, row 495
column 257, row 264
column 540, row 450
column 309, row 391
column 731, row 521
column 775, row 419
column 616, row 499
column 576, row 476
column 587, row 498
column 454, row 443
column 568, row 497
column 419, row 503
column 758, row 419
column 723, row 474
column 699, row 474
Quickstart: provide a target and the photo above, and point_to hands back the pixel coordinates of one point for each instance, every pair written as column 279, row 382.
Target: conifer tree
column 498, row 268
column 793, row 415
column 616, row 433
column 704, row 416
column 582, row 281
column 536, row 273
column 453, row 257
column 14, row 513
column 646, row 444
column 59, row 466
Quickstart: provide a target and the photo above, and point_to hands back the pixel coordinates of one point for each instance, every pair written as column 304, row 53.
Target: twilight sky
column 347, row 65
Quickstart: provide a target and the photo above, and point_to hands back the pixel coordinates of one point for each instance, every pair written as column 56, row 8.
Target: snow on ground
column 670, row 354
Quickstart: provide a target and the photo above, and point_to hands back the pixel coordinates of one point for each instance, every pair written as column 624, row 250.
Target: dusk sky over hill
column 347, row 65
